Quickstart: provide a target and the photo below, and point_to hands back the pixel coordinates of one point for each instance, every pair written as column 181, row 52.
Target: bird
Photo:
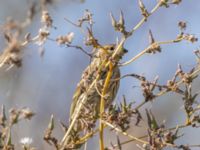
column 89, row 113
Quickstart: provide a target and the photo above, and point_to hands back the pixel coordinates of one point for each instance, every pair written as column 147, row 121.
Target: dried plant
column 92, row 100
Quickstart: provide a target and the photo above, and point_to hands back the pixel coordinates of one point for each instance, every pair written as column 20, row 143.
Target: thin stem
column 145, row 136
column 144, row 19
column 125, row 133
column 146, row 49
column 165, row 91
column 86, row 137
column 80, row 48
column 102, row 105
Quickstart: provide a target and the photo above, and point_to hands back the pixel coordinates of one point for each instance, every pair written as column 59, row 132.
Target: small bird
column 89, row 113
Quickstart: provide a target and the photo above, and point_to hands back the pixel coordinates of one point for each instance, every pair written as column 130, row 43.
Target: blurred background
column 47, row 84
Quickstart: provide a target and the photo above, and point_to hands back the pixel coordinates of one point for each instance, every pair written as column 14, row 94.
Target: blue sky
column 47, row 85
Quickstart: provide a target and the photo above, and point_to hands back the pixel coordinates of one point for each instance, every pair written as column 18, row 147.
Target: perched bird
column 89, row 113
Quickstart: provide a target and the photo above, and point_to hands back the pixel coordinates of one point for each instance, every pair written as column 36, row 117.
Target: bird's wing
column 89, row 74
column 76, row 96
column 81, row 87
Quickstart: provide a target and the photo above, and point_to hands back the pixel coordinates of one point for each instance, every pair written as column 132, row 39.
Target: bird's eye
column 112, row 48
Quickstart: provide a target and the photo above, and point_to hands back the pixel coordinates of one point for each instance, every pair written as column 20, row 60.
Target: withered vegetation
column 119, row 118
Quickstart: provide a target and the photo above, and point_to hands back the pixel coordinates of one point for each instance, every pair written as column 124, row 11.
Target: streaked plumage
column 90, row 110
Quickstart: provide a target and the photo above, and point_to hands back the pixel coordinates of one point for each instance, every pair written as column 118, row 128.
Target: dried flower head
column 182, row 25
column 27, row 113
column 46, row 18
column 67, row 39
column 191, row 38
column 176, row 2
column 27, row 141
column 12, row 54
column 42, row 36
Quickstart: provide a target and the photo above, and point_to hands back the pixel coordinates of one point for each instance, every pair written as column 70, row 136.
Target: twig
column 80, row 48
column 147, row 49
column 125, row 133
column 164, row 92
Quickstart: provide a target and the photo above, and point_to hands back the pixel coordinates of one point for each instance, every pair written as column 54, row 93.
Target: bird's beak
column 125, row 50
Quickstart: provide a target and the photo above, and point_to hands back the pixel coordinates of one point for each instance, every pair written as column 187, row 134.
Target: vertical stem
column 102, row 105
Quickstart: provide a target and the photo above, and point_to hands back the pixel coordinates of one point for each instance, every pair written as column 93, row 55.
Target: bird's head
column 107, row 51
